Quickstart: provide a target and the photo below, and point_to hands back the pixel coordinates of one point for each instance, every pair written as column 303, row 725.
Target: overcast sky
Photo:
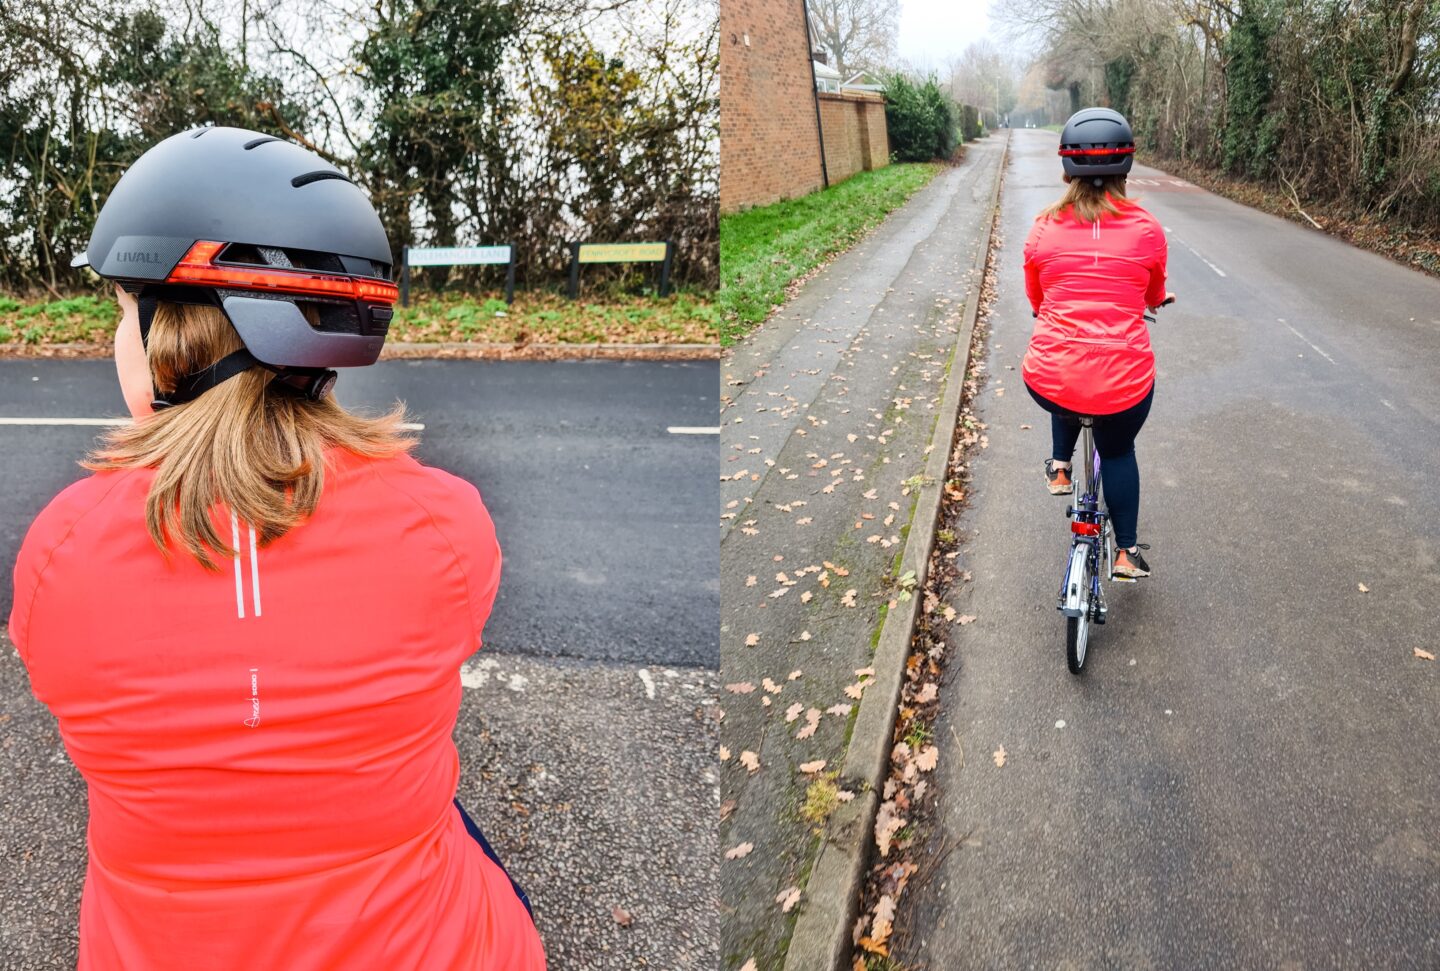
column 933, row 31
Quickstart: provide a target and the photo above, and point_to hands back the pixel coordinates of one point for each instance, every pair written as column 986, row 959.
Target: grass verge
column 765, row 249
column 682, row 318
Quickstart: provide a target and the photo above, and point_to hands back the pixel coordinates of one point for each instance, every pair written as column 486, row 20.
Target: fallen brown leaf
column 812, row 722
column 884, row 919
column 739, row 852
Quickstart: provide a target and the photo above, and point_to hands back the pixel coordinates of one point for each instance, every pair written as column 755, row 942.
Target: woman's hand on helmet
column 126, row 299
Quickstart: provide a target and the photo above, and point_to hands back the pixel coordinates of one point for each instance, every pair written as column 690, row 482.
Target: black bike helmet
column 1097, row 142
column 256, row 226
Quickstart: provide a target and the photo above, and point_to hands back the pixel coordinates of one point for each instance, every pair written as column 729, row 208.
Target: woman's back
column 268, row 748
column 1089, row 284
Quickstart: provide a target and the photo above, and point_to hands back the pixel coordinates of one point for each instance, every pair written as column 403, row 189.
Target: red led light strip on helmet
column 198, row 268
column 1098, row 151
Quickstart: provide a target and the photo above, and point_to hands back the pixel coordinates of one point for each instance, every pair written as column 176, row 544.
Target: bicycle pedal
column 1116, row 578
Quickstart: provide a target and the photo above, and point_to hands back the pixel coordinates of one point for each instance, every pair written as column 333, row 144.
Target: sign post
column 662, row 253
column 457, row 256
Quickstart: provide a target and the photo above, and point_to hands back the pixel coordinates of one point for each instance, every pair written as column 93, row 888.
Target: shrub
column 922, row 120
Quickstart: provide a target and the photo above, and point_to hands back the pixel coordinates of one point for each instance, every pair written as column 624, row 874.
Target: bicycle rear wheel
column 1077, row 629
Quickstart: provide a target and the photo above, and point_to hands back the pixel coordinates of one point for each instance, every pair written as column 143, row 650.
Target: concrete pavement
column 1245, row 776
column 828, row 411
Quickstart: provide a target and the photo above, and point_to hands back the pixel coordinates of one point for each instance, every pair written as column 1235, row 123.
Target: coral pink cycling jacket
column 268, row 748
column 1090, row 283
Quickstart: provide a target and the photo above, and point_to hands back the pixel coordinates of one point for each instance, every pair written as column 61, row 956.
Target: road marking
column 64, row 421
column 1201, row 258
column 692, row 430
column 409, row 426
column 648, row 681
column 1307, row 340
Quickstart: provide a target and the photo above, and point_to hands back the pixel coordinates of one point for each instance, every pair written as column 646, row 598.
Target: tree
column 858, row 35
column 985, row 77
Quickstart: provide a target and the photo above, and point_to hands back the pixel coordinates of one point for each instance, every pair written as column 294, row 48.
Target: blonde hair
column 258, row 451
column 1088, row 202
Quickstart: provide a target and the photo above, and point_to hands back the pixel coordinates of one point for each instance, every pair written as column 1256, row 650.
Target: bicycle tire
column 1077, row 629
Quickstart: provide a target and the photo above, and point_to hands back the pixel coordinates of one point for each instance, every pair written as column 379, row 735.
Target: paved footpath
column 586, row 731
column 1247, row 774
column 827, row 411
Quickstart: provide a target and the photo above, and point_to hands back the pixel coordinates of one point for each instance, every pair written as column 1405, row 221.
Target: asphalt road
column 1246, row 776
column 605, row 517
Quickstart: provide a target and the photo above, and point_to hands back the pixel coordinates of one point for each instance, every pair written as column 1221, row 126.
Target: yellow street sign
column 622, row 252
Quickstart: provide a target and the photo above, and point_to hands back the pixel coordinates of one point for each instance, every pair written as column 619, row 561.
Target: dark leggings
column 1115, row 441
column 479, row 837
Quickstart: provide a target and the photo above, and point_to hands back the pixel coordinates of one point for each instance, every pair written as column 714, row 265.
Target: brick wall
column 855, row 135
column 769, row 146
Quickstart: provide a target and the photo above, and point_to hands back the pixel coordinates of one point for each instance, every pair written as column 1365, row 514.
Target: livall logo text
column 137, row 257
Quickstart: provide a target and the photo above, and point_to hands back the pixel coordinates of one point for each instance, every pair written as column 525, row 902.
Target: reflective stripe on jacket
column 1090, row 283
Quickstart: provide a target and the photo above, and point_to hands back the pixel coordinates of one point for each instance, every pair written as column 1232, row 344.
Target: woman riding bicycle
column 249, row 620
column 1093, row 262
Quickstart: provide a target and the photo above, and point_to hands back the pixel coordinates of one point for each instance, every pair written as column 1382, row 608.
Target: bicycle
column 1092, row 550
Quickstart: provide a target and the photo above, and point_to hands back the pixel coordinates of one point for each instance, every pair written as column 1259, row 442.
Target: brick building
column 771, row 117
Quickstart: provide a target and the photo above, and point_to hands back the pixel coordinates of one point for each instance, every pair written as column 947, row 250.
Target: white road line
column 689, row 430
column 412, row 426
column 1201, row 258
column 65, row 421
column 1307, row 340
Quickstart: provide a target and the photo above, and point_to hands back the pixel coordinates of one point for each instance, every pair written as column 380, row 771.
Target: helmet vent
column 309, row 177
column 291, row 258
column 260, row 141
column 198, row 132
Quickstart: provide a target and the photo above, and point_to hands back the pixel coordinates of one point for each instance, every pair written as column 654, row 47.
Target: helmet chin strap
column 311, row 384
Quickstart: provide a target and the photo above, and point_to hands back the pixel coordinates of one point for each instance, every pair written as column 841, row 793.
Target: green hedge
column 923, row 122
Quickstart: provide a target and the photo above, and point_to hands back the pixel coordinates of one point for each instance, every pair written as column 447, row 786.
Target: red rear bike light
column 1097, row 151
column 198, row 267
column 1084, row 529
